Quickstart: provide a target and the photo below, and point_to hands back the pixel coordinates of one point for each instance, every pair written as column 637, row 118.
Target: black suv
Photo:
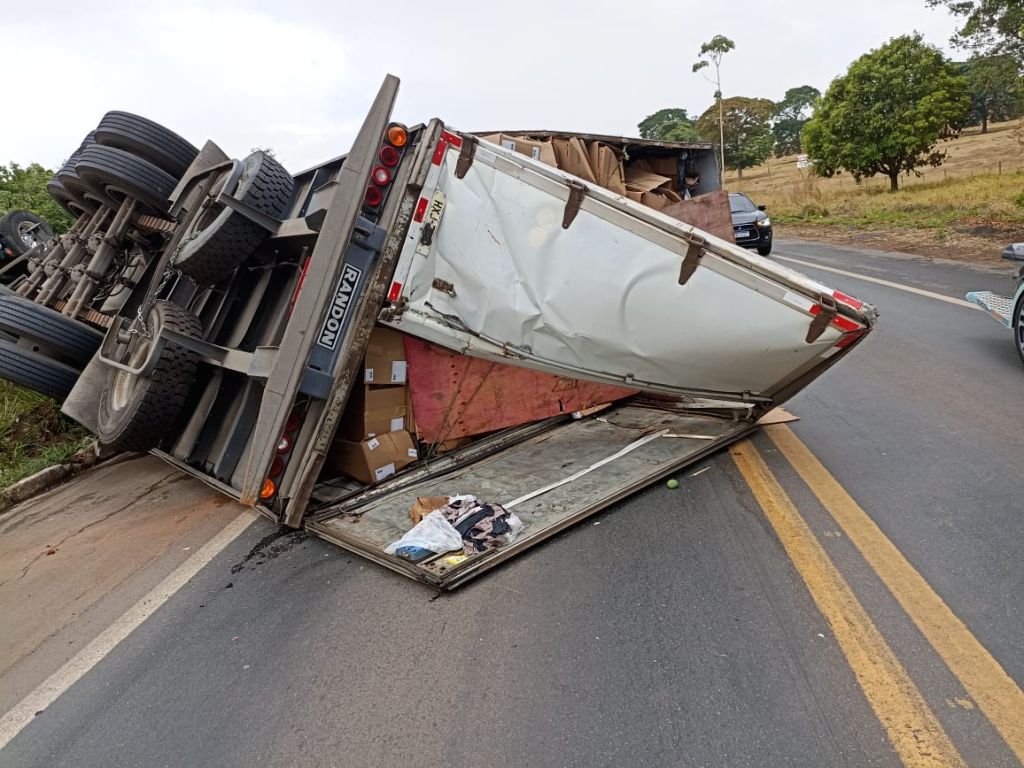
column 750, row 224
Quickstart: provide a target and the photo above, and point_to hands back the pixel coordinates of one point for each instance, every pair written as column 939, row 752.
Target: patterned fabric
column 482, row 525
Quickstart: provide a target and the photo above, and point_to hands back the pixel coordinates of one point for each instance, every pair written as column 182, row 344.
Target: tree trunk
column 984, row 122
column 739, row 172
column 894, row 181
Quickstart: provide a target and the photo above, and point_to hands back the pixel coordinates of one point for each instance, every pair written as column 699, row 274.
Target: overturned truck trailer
column 576, row 343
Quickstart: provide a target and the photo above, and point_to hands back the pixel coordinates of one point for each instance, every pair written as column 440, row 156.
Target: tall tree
column 888, row 112
column 792, row 113
column 711, row 54
column 995, row 87
column 989, row 26
column 746, row 130
column 26, row 188
column 669, row 124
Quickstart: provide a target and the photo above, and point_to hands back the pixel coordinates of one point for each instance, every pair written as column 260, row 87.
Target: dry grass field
column 966, row 209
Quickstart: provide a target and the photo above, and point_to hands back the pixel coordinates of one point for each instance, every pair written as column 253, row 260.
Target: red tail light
column 284, row 444
column 277, row 467
column 293, row 423
column 381, row 176
column 390, row 156
column 373, row 197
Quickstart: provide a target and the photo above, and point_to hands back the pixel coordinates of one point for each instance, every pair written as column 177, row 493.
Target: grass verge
column 33, row 434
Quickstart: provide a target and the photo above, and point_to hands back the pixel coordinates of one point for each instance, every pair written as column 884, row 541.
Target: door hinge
column 577, row 191
column 826, row 314
column 466, row 155
column 694, row 253
column 444, row 286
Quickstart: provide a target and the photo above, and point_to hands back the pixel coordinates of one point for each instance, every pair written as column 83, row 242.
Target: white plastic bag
column 433, row 532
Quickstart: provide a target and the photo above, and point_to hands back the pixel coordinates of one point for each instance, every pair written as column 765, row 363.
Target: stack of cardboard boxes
column 373, row 440
column 651, row 181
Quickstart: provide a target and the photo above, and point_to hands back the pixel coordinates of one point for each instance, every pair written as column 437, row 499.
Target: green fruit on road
column 673, row 483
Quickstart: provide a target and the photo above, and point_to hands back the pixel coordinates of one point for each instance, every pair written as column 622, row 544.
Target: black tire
column 218, row 241
column 143, row 138
column 21, row 230
column 1017, row 324
column 35, row 371
column 135, row 412
column 67, row 188
column 113, row 174
column 764, row 250
column 74, row 205
column 57, row 336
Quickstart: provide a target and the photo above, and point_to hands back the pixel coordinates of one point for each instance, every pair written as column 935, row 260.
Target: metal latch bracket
column 826, row 314
column 577, row 192
column 466, row 155
column 694, row 253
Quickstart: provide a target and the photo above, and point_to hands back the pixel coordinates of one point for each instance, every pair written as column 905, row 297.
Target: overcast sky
column 298, row 75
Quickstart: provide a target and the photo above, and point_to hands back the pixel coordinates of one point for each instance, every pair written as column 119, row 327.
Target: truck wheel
column 1018, row 326
column 113, row 174
column 73, row 205
column 219, row 240
column 135, row 412
column 35, row 371
column 20, row 231
column 51, row 333
column 143, row 138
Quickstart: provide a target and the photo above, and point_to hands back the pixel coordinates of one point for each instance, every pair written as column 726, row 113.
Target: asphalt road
column 685, row 627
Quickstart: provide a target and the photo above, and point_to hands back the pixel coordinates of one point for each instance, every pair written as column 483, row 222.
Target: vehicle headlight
column 764, row 223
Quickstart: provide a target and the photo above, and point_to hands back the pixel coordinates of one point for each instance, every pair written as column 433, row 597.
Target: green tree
column 711, row 54
column 989, row 26
column 26, row 188
column 995, row 88
column 792, row 113
column 887, row 113
column 669, row 125
column 745, row 128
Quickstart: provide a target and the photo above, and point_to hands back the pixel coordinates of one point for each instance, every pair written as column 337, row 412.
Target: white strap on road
column 628, row 449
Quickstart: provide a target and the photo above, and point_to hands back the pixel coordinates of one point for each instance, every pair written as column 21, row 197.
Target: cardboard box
column 644, row 181
column 425, row 505
column 572, row 157
column 538, row 150
column 606, row 165
column 373, row 411
column 385, row 357
column 373, row 460
column 665, row 166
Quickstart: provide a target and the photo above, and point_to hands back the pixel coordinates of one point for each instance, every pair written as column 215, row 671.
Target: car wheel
column 30, row 369
column 20, row 231
column 764, row 250
column 135, row 412
column 220, row 239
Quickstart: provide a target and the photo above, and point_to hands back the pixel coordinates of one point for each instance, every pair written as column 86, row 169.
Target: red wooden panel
column 458, row 396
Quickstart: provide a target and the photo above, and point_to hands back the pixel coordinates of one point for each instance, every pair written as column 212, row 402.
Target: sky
column 299, row 75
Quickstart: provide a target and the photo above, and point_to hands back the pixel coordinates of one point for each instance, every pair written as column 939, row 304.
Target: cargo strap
column 577, row 191
column 466, row 156
column 827, row 312
column 694, row 253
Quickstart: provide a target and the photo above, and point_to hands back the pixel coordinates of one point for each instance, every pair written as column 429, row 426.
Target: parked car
column 750, row 224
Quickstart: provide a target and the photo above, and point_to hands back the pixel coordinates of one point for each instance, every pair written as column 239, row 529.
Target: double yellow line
column 910, row 724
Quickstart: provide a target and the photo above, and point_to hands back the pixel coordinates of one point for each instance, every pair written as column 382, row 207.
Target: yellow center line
column 911, row 726
column 994, row 691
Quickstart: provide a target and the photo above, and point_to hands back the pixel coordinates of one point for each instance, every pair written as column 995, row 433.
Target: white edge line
column 886, row 283
column 73, row 670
